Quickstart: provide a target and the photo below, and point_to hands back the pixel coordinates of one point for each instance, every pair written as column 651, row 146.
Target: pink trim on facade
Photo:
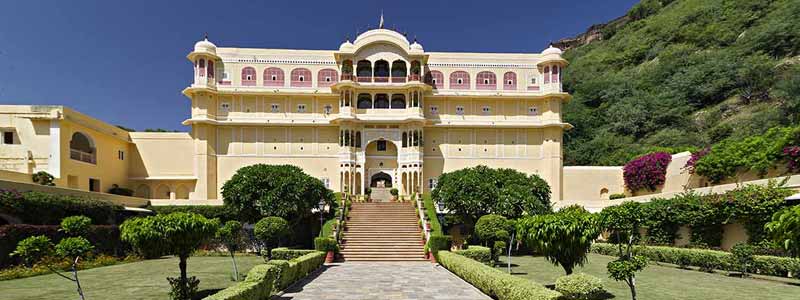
column 202, row 67
column 301, row 77
column 248, row 76
column 510, row 81
column 273, row 72
column 546, row 74
column 435, row 76
column 211, row 69
column 486, row 81
column 463, row 77
column 224, row 82
column 533, row 88
column 327, row 77
column 555, row 74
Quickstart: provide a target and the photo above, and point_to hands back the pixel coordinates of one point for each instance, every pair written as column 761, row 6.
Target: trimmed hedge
column 258, row 285
column 295, row 269
column 579, row 286
column 286, row 253
column 494, row 282
column 479, row 253
column 707, row 260
column 223, row 213
column 105, row 239
column 48, row 209
column 438, row 242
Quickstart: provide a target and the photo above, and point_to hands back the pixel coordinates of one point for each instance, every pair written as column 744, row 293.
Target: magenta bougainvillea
column 697, row 155
column 647, row 171
column 792, row 154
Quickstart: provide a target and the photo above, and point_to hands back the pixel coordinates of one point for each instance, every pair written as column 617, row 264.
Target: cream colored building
column 378, row 111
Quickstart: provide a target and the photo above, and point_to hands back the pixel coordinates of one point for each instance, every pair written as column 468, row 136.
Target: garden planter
column 432, row 258
column 329, row 257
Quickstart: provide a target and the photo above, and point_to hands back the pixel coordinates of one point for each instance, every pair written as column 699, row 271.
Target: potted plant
column 328, row 245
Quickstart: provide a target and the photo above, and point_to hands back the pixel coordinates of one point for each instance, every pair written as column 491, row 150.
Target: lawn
column 662, row 282
column 139, row 280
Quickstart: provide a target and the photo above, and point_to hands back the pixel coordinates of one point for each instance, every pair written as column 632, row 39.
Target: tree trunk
column 567, row 269
column 182, row 266
column 632, row 285
column 235, row 269
column 75, row 276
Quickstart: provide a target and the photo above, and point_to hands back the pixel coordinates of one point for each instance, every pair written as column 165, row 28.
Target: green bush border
column 288, row 254
column 494, row 282
column 259, row 284
column 479, row 253
column 430, row 211
column 297, row 268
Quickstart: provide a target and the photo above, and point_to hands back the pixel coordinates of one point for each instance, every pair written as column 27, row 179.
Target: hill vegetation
column 683, row 75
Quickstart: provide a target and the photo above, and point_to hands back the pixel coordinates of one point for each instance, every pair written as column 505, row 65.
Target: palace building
column 377, row 112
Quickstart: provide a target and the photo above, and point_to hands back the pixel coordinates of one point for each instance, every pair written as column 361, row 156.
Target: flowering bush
column 792, row 154
column 647, row 171
column 697, row 155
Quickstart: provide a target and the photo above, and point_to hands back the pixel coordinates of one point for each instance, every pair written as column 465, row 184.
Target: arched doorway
column 381, row 180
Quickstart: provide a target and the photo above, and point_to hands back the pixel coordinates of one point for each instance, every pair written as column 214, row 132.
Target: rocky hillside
column 680, row 75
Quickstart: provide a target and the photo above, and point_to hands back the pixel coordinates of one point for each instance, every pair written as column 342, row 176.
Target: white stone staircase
column 382, row 231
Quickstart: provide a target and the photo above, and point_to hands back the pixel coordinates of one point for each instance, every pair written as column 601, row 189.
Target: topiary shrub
column 394, row 192
column 258, row 285
column 326, row 244
column 491, row 228
column 43, row 178
column 269, row 231
column 564, row 238
column 616, row 196
column 297, row 268
column 742, row 258
column 75, row 225
column 580, row 286
column 105, row 239
column 647, row 171
column 117, row 190
column 479, row 253
column 286, row 253
column 231, row 235
column 437, row 243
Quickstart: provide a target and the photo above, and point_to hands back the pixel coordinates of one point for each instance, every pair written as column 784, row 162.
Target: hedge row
column 286, row 253
column 258, row 285
column 48, row 209
column 105, row 239
column 479, row 253
column 494, row 282
column 707, row 260
column 297, row 268
column 221, row 212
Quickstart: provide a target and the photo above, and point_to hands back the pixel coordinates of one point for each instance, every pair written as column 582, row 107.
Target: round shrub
column 33, row 249
column 647, row 171
column 491, row 228
column 73, row 247
column 76, row 225
column 579, row 286
column 270, row 230
column 325, row 244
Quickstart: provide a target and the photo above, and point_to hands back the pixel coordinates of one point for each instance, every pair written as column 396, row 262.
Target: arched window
column 459, row 80
column 405, row 139
column 416, row 68
column 415, row 140
column 81, row 148
column 182, row 192
column 162, row 192
column 398, row 101
column 143, row 191
column 202, row 67
column 358, row 139
column 364, row 70
column 210, row 69
column 273, row 76
column 381, row 101
column 546, row 75
column 347, row 67
column 510, row 81
column 399, row 70
column 486, row 81
column 381, row 71
column 327, row 77
column 301, row 77
column 347, row 138
column 248, row 76
column 364, row 101
column 435, row 79
column 555, row 74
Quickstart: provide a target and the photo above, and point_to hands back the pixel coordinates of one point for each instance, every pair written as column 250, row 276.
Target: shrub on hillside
column 647, row 171
column 48, row 209
column 579, row 286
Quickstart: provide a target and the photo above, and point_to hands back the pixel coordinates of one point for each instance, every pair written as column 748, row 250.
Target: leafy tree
column 623, row 222
column 473, row 192
column 564, row 237
column 36, row 248
column 270, row 230
column 284, row 191
column 491, row 228
column 230, row 234
column 176, row 234
column 785, row 229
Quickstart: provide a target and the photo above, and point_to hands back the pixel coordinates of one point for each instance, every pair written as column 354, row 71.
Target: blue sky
column 124, row 62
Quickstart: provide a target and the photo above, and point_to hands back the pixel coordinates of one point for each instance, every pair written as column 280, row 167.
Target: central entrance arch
column 381, row 180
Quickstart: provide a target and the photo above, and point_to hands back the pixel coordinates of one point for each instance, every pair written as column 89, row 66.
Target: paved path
column 384, row 281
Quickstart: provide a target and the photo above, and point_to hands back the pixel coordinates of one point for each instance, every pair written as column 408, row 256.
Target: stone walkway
column 382, row 280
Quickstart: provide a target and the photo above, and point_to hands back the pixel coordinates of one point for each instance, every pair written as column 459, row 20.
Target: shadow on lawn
column 205, row 293
column 299, row 285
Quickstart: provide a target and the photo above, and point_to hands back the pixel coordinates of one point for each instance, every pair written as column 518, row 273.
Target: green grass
column 139, row 280
column 430, row 210
column 661, row 282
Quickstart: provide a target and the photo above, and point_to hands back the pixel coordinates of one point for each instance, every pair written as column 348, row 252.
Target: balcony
column 83, row 156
